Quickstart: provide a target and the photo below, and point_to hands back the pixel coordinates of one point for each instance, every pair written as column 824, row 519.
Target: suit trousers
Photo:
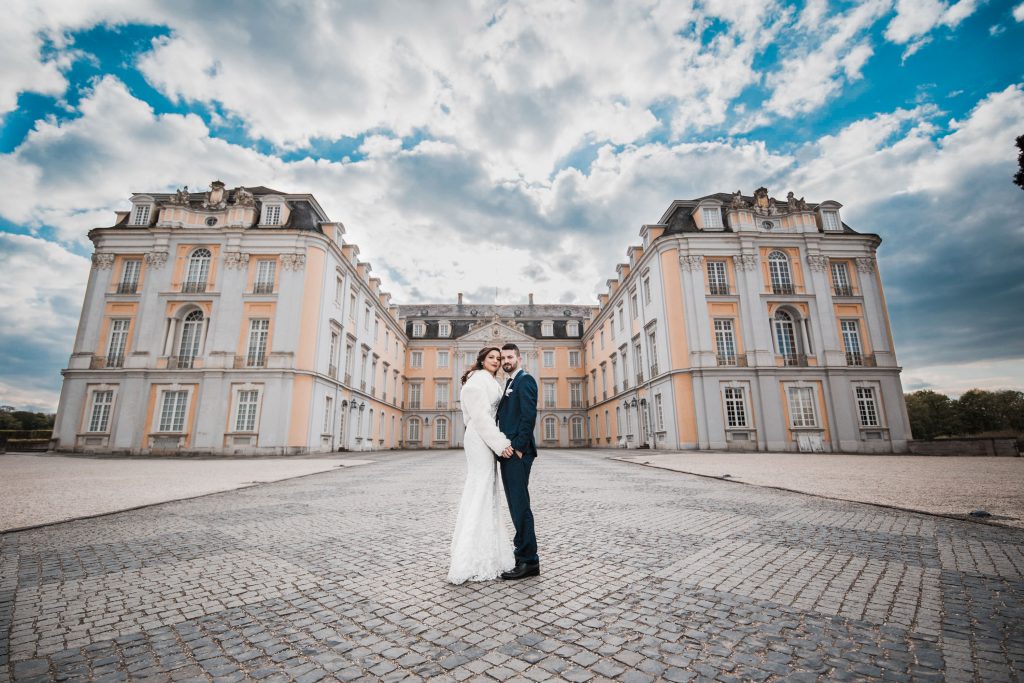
column 515, row 478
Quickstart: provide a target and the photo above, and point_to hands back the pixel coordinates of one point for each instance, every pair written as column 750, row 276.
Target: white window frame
column 131, row 271
column 271, row 215
column 550, row 391
column 444, row 329
column 851, row 341
column 711, row 217
column 98, row 418
column 251, row 417
column 868, row 413
column 415, row 395
column 572, row 328
column 256, row 348
column 442, row 359
column 574, row 358
column 328, row 425
column 176, row 417
column 416, row 359
column 547, row 328
column 575, row 394
column 197, row 269
column 780, row 274
column 265, row 272
column 549, row 358
column 659, row 414
column 441, row 429
column 442, row 395
column 803, row 409
column 718, row 277
column 841, row 284
column 576, row 428
column 118, row 343
column 725, row 340
column 419, row 328
column 141, row 214
column 734, row 406
column 550, row 428
column 830, row 221
column 413, row 430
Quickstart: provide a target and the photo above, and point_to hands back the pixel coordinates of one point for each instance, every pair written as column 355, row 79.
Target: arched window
column 191, row 336
column 550, row 428
column 787, row 338
column 778, row 272
column 414, row 429
column 441, row 429
column 577, row 428
column 198, row 271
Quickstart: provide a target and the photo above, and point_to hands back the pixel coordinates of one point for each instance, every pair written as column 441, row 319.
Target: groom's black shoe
column 521, row 571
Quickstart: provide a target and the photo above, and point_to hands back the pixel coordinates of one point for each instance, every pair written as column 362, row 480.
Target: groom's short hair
column 510, row 347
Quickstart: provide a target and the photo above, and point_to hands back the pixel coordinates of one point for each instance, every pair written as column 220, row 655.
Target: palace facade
column 242, row 321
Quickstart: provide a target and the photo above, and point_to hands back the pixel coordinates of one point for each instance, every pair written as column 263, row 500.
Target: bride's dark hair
column 479, row 364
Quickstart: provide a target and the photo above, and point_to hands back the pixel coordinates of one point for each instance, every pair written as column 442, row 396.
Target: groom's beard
column 508, row 367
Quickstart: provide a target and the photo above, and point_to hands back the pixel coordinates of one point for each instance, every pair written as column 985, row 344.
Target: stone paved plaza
column 647, row 574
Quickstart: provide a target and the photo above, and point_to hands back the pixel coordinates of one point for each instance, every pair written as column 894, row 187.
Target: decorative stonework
column 236, row 260
column 293, row 261
column 102, row 261
column 866, row 264
column 818, row 263
column 216, row 199
column 747, row 261
column 692, row 262
column 180, row 197
column 156, row 259
column 243, row 197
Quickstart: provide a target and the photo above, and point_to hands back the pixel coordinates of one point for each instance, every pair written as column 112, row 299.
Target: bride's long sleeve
column 477, row 406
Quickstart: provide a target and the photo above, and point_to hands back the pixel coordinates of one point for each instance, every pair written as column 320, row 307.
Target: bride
column 481, row 549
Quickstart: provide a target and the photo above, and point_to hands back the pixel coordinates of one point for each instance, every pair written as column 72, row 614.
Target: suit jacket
column 517, row 413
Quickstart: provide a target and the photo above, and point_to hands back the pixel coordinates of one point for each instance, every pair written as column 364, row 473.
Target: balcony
column 783, row 288
column 263, row 288
column 101, row 362
column 794, row 359
column 442, row 405
column 193, row 287
column 843, row 290
column 717, row 289
column 732, row 360
column 332, row 370
column 415, row 405
column 861, row 360
column 127, row 287
column 576, row 405
column 180, row 362
column 253, row 360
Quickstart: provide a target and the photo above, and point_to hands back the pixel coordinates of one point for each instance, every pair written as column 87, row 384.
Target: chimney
column 531, row 298
column 460, row 298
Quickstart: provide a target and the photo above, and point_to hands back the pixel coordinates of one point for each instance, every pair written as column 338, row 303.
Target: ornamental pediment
column 494, row 331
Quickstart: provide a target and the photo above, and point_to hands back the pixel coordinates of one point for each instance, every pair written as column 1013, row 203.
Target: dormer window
column 572, row 328
column 271, row 214
column 444, row 329
column 141, row 213
column 419, row 329
column 547, row 328
column 712, row 218
column 830, row 221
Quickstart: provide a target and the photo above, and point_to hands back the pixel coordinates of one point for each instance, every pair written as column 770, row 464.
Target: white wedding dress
column 481, row 549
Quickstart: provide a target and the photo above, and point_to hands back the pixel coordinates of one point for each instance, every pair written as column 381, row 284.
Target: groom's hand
column 519, row 454
column 507, row 453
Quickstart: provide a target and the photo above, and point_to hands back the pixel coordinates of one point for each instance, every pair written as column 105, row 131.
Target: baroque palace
column 242, row 321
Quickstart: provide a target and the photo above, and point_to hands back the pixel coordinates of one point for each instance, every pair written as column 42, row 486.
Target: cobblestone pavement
column 647, row 574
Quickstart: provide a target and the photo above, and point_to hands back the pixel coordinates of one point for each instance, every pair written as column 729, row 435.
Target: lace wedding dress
column 481, row 549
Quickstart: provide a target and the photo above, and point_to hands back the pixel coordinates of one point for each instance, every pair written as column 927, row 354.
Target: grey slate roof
column 464, row 317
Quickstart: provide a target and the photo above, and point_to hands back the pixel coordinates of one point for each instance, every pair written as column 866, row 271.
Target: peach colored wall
column 852, row 312
column 252, row 310
column 302, row 399
column 309, row 325
column 675, row 321
column 726, row 310
column 686, row 411
column 119, row 260
column 117, row 310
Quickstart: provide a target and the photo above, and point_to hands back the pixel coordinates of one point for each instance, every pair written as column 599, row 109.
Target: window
column 607, row 424
column 652, row 343
column 550, row 428
column 373, row 373
column 419, row 329
column 265, row 277
column 416, row 359
column 549, row 394
column 352, row 306
column 634, row 308
column 604, row 380
column 851, row 342
column 778, row 272
column 602, row 338
column 191, row 333
column 362, row 369
column 415, row 394
column 572, row 328
column 332, row 352
column 256, row 354
column 712, row 218
column 638, row 362
column 549, row 359
column 647, row 289
column 442, row 359
column 141, row 214
column 830, row 219
column 735, row 407
column 867, row 408
column 198, row 271
column 547, row 328
column 786, row 338
column 621, row 316
column 328, row 415
column 366, row 317
column 339, row 290
column 271, row 214
column 441, row 429
column 618, row 421
column 577, row 428
column 414, row 429
column 841, row 279
column 718, row 279
column 245, row 411
column 611, row 321
column 349, row 357
column 99, row 418
column 801, row 407
column 118, row 341
column 725, row 342
column 659, row 415
column 575, row 395
column 441, row 395
column 172, row 411
column 130, row 276
column 574, row 359
column 593, row 383
column 444, row 329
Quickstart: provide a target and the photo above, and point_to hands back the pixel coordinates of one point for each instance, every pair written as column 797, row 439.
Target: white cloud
column 1018, row 12
column 916, row 18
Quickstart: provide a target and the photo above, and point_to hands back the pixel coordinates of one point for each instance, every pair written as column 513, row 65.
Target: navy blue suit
column 517, row 414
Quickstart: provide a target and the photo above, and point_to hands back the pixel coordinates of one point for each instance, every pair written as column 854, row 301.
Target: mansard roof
column 527, row 318
column 678, row 217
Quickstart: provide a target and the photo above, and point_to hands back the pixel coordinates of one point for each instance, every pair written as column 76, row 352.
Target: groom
column 517, row 413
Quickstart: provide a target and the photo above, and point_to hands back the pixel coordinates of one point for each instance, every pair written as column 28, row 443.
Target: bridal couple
column 499, row 422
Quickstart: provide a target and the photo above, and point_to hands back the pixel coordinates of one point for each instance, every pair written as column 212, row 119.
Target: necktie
column 508, row 383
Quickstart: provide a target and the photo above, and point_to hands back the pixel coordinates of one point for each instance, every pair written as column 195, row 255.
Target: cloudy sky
column 503, row 147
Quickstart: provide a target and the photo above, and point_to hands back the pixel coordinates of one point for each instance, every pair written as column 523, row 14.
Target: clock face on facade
column 767, row 225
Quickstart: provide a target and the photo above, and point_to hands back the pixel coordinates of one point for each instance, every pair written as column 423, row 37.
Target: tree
column 1009, row 406
column 8, row 421
column 29, row 421
column 931, row 414
column 1018, row 179
column 979, row 411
